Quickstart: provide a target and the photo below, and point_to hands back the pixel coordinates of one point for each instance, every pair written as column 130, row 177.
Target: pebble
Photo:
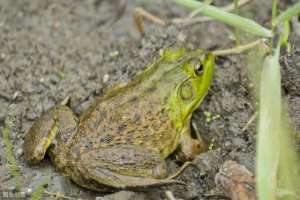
column 19, row 152
column 29, row 191
column 123, row 195
column 2, row 56
column 12, row 188
column 16, row 95
column 105, row 78
column 181, row 37
column 114, row 54
column 236, row 181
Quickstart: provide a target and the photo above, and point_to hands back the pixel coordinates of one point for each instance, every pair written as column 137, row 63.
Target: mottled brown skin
column 123, row 139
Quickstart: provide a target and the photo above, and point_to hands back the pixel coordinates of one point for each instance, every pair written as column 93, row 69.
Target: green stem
column 12, row 163
column 274, row 12
column 287, row 15
column 237, row 31
column 227, row 18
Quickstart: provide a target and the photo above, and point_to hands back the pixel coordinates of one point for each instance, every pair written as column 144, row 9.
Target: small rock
column 63, row 185
column 29, row 190
column 161, row 52
column 19, row 152
column 11, row 188
column 54, row 79
column 105, row 78
column 181, row 37
column 42, row 80
column 207, row 161
column 92, row 76
column 123, row 195
column 236, row 181
column 114, row 54
column 3, row 55
column 17, row 95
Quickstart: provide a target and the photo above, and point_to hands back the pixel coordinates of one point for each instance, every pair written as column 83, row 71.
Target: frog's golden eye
column 186, row 91
column 199, row 68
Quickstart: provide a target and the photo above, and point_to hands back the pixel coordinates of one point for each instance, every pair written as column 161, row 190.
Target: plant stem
column 228, row 18
column 237, row 31
column 287, row 15
column 238, row 49
column 274, row 12
column 12, row 163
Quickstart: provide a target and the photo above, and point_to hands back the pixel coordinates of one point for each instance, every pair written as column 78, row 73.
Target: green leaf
column 12, row 163
column 287, row 15
column 268, row 144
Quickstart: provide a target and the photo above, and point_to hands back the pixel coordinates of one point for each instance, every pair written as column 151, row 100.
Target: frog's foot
column 52, row 131
column 123, row 167
column 189, row 147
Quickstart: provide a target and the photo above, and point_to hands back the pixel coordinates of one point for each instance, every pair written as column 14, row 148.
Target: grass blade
column 38, row 191
column 277, row 165
column 9, row 153
column 268, row 151
column 227, row 18
column 287, row 15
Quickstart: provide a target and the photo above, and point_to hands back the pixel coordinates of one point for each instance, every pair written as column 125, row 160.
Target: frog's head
column 190, row 83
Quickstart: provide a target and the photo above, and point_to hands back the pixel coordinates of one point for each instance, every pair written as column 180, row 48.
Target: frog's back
column 130, row 116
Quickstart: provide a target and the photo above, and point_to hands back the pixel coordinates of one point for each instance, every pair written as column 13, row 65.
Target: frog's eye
column 186, row 90
column 199, row 68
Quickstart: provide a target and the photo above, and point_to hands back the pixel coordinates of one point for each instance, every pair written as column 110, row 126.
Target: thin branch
column 250, row 121
column 240, row 49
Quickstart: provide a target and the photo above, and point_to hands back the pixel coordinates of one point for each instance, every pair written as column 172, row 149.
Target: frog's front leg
column 122, row 167
column 52, row 131
column 189, row 147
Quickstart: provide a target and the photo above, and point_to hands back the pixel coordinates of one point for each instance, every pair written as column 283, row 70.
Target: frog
column 124, row 137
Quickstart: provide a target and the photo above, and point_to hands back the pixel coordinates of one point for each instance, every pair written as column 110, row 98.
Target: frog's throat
column 180, row 117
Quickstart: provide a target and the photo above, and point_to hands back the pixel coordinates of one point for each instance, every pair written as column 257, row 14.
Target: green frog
column 122, row 140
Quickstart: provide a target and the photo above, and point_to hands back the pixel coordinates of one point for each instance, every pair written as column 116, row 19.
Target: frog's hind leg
column 52, row 130
column 123, row 167
column 105, row 180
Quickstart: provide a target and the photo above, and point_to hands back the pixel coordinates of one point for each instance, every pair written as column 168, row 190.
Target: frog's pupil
column 199, row 68
column 186, row 91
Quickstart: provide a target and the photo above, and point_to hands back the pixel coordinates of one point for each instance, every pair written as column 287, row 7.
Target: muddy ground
column 51, row 49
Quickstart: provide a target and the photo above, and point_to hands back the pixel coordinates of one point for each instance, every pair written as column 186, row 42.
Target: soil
column 52, row 49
